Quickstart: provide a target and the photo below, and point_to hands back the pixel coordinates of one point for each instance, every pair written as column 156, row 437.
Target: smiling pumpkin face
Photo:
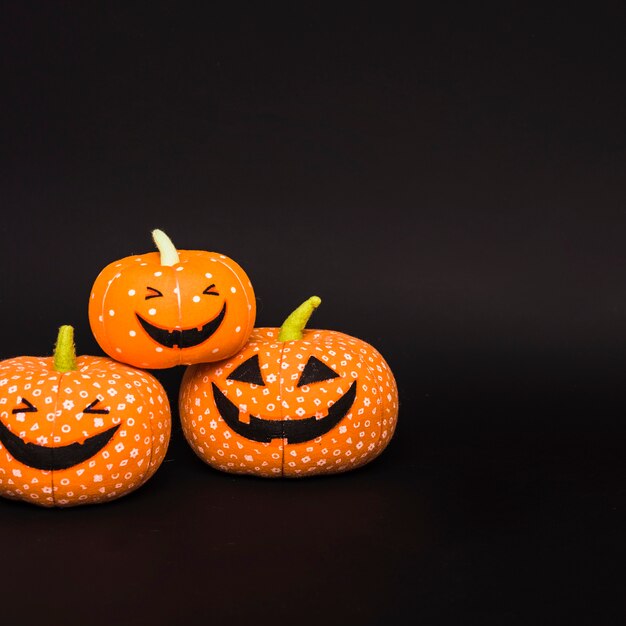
column 90, row 434
column 322, row 403
column 149, row 313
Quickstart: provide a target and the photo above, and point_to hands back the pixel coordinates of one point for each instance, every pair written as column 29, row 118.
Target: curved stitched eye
column 210, row 291
column 29, row 408
column 153, row 293
column 248, row 372
column 91, row 408
column 315, row 372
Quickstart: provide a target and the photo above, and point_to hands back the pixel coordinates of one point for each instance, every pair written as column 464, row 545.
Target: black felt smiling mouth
column 49, row 458
column 294, row 431
column 185, row 338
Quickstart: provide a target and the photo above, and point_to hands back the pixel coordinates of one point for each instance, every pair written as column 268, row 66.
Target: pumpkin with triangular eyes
column 78, row 430
column 171, row 307
column 293, row 402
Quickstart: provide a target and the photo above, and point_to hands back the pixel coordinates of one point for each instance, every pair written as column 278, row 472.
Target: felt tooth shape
column 78, row 430
column 292, row 402
column 172, row 307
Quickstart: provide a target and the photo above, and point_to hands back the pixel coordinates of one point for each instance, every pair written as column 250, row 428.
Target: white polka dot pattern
column 136, row 300
column 359, row 437
column 130, row 399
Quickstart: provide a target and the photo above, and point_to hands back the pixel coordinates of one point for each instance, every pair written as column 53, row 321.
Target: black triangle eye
column 315, row 372
column 248, row 372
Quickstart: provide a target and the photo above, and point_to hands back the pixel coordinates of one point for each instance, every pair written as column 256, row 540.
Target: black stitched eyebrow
column 156, row 293
column 208, row 291
column 29, row 408
column 89, row 408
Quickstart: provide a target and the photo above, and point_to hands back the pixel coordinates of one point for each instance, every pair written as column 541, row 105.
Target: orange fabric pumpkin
column 172, row 307
column 291, row 403
column 78, row 431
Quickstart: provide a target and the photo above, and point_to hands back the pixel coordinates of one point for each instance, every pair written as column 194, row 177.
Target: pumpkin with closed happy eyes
column 171, row 307
column 78, row 430
column 293, row 402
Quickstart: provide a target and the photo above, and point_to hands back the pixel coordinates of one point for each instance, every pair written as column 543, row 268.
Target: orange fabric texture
column 156, row 316
column 287, row 426
column 78, row 437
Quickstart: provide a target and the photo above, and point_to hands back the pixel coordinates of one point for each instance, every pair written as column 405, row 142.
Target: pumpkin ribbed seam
column 102, row 309
column 180, row 318
column 250, row 323
column 148, row 469
column 280, row 392
column 392, row 378
column 54, row 423
column 382, row 412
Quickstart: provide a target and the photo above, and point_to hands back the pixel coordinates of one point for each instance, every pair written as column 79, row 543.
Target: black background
column 451, row 182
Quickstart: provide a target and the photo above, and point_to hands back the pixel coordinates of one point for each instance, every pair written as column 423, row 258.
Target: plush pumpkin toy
column 293, row 402
column 78, row 430
column 172, row 307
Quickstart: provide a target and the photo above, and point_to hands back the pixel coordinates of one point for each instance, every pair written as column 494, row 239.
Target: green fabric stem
column 64, row 351
column 292, row 328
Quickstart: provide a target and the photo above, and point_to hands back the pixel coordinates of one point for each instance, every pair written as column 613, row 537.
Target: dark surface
column 452, row 184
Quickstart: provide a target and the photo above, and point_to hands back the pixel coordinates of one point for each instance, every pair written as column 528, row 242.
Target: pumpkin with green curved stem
column 78, row 430
column 293, row 402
